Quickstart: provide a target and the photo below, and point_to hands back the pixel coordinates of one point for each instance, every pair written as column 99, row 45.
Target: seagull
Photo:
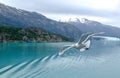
column 82, row 45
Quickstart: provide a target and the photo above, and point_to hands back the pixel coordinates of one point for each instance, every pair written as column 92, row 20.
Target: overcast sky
column 104, row 11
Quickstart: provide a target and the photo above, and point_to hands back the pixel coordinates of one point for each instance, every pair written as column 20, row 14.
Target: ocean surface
column 41, row 60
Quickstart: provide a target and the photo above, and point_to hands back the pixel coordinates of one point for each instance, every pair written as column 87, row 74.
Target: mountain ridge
column 94, row 26
column 10, row 16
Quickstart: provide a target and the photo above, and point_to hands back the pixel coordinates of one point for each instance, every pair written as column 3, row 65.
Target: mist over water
column 41, row 60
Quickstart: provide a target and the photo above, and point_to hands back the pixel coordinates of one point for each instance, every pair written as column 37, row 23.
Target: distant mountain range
column 10, row 16
column 86, row 25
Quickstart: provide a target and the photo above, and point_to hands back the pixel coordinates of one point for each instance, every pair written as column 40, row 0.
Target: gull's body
column 82, row 45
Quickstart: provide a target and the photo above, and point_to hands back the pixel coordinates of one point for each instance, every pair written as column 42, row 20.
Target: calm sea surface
column 41, row 60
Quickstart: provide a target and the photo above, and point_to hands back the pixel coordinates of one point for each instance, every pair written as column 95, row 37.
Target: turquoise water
column 41, row 60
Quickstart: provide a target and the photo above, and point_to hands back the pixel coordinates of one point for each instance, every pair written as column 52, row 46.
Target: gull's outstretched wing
column 86, row 36
column 65, row 48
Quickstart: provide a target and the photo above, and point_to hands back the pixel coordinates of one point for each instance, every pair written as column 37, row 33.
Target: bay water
column 41, row 60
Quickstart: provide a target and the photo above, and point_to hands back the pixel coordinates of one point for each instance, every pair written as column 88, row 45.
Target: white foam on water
column 7, row 73
column 52, row 57
column 43, row 60
column 26, row 69
column 5, row 68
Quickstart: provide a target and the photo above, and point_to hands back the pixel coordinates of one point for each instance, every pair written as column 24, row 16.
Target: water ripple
column 72, row 64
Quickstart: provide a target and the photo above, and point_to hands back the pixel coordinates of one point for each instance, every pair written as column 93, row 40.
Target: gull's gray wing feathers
column 86, row 36
column 65, row 48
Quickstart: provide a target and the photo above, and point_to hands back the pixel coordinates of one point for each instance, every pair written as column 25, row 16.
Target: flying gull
column 82, row 45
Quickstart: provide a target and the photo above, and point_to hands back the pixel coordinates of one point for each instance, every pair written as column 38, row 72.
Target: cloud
column 106, row 9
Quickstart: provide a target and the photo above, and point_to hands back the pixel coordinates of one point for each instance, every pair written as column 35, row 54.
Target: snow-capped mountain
column 10, row 16
column 86, row 25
